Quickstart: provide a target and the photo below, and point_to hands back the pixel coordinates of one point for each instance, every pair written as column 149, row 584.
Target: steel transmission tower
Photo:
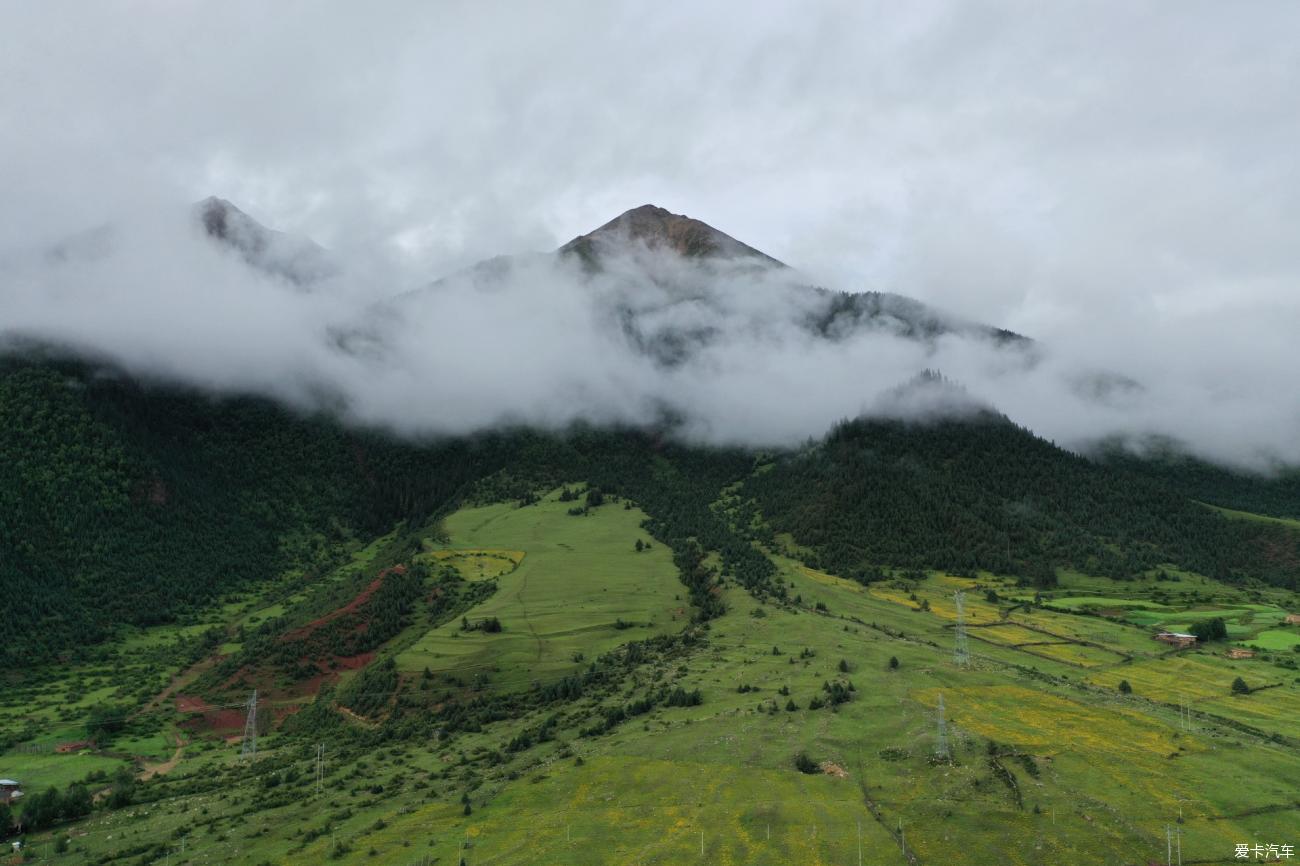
column 249, row 747
column 960, row 648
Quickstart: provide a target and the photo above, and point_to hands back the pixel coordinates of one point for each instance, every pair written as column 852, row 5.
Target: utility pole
column 249, row 747
column 701, row 843
column 1169, row 847
column 320, row 767
column 902, row 839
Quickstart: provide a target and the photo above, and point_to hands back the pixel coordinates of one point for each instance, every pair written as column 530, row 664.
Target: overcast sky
column 1120, row 180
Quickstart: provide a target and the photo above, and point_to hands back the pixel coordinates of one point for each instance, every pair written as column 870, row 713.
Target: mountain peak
column 659, row 228
column 297, row 259
column 221, row 218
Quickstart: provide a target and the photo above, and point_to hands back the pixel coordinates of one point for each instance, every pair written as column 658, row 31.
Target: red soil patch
column 74, row 746
column 329, row 670
column 239, row 678
column 352, row 663
column 282, row 713
column 190, row 704
column 222, row 720
column 350, row 607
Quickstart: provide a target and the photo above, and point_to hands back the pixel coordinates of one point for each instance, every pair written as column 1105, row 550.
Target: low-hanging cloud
column 722, row 349
column 1120, row 186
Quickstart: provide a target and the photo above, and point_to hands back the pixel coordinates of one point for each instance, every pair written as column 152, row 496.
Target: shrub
column 1210, row 630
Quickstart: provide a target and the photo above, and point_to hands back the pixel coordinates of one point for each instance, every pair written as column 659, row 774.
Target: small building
column 1176, row 638
column 1240, row 653
column 9, row 791
column 1293, row 619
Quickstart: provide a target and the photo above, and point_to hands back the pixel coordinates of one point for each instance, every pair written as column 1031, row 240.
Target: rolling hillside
column 244, row 634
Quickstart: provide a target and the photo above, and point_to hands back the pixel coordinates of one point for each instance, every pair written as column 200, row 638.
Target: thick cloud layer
column 1115, row 182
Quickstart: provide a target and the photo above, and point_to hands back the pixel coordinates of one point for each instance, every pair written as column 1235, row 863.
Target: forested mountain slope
column 982, row 493
column 125, row 503
column 1276, row 495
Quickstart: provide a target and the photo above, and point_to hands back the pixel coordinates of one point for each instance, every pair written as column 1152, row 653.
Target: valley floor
column 1028, row 754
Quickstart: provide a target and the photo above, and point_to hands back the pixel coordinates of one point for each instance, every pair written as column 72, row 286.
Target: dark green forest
column 1277, row 495
column 982, row 493
column 123, row 502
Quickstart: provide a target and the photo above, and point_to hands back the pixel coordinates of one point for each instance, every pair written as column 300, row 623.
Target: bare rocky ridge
column 299, row 260
column 658, row 228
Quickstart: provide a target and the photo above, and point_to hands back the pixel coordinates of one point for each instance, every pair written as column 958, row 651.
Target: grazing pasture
column 567, row 585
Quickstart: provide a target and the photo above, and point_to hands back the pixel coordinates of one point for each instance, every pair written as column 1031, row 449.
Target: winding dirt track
column 165, row 767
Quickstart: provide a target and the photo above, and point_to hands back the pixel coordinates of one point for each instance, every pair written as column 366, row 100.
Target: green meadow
column 568, row 589
column 1040, row 758
column 1276, row 639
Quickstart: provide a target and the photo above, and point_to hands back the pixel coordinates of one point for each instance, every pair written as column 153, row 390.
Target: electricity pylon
column 249, row 747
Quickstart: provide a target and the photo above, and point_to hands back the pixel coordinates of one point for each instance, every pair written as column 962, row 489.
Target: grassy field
column 52, row 770
column 1075, row 602
column 1047, row 762
column 479, row 564
column 1247, row 515
column 567, row 585
column 1276, row 639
